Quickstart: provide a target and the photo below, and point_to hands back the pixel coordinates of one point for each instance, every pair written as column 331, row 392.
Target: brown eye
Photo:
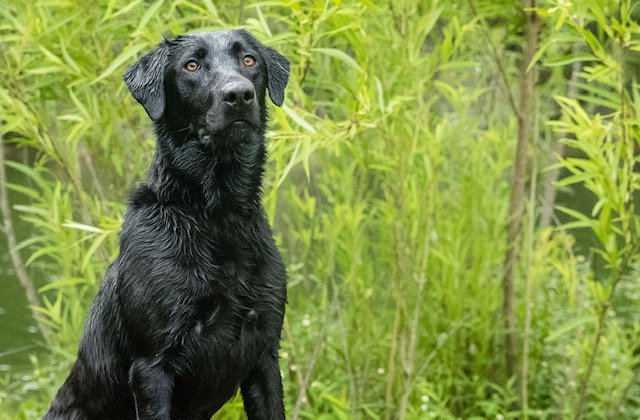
column 192, row 65
column 248, row 60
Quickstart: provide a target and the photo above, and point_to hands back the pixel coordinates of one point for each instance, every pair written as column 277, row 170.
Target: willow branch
column 16, row 259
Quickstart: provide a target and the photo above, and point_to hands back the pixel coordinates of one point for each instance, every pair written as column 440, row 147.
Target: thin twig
column 400, row 304
column 345, row 345
column 241, row 10
column 302, row 396
column 14, row 351
column 422, row 280
column 391, row 365
column 625, row 393
column 319, row 346
column 530, row 262
column 584, row 385
column 441, row 342
column 496, row 58
column 84, row 154
column 294, row 355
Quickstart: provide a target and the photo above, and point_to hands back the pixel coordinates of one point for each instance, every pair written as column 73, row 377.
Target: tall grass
column 388, row 186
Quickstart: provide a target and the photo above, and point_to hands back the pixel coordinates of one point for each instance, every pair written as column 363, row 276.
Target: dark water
column 19, row 336
column 578, row 198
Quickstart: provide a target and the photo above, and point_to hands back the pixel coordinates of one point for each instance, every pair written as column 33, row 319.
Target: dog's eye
column 192, row 65
column 249, row 60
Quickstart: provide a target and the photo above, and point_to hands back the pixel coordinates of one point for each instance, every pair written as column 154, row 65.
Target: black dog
column 193, row 306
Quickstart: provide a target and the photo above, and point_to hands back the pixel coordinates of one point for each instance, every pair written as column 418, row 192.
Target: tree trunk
column 517, row 197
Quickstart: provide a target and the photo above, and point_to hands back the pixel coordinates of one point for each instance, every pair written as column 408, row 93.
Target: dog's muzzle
column 238, row 95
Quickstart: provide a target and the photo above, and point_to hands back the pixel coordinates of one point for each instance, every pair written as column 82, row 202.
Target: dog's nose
column 238, row 94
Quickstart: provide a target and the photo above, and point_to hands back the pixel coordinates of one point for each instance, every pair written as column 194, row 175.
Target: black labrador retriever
column 193, row 306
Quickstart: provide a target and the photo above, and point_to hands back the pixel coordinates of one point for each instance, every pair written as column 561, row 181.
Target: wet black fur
column 193, row 306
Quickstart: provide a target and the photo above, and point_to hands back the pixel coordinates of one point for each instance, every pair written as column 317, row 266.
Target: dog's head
column 209, row 85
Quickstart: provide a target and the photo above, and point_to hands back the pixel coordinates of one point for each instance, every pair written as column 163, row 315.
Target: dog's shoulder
column 147, row 210
column 143, row 196
column 157, row 232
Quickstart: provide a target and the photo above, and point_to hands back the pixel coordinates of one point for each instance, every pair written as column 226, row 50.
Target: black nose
column 238, row 94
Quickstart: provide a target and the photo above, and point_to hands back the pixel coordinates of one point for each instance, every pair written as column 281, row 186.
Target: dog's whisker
column 181, row 130
column 187, row 136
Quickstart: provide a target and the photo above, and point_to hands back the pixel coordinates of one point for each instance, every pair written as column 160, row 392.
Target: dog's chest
column 231, row 275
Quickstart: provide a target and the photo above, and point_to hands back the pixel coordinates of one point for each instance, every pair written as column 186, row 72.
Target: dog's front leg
column 262, row 390
column 152, row 388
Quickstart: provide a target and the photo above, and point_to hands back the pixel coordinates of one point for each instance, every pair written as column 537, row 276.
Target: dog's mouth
column 235, row 130
column 239, row 123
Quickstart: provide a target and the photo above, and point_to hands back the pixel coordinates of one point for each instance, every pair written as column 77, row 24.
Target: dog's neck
column 225, row 177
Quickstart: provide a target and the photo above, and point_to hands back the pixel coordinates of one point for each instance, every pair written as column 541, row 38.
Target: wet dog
column 192, row 308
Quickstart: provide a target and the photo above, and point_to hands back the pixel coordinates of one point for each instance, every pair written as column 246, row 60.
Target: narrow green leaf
column 58, row 284
column 568, row 326
column 50, row 55
column 68, row 59
column 35, row 195
column 593, row 43
column 340, row 55
column 538, row 54
column 380, row 95
column 149, row 14
column 569, row 59
column 125, row 55
column 31, row 210
column 210, row 7
column 591, row 224
column 298, row 119
column 576, row 214
column 598, row 101
column 86, row 228
column 51, row 251
column 263, row 22
column 287, row 169
column 45, row 70
column 92, row 250
column 124, row 10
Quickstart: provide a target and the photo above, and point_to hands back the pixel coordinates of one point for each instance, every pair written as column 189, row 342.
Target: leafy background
column 389, row 182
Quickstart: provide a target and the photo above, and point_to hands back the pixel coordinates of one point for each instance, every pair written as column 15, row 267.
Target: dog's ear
column 145, row 80
column 277, row 72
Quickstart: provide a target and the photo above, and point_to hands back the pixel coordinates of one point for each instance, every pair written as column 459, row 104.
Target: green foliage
column 387, row 186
